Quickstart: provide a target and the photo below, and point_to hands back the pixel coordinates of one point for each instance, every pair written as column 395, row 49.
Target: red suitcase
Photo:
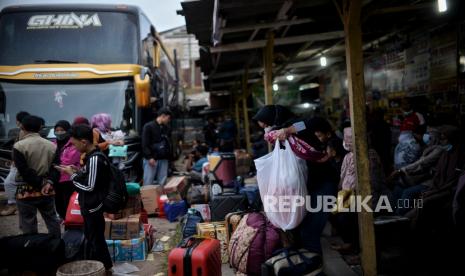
column 196, row 257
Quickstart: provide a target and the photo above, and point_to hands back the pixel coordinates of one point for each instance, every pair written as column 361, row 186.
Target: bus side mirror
column 142, row 89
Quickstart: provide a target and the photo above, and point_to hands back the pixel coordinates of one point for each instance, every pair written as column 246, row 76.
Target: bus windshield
column 65, row 101
column 94, row 37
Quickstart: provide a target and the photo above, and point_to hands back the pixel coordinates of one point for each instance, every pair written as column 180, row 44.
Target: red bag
column 161, row 206
column 195, row 256
column 149, row 234
column 73, row 213
column 144, row 217
column 300, row 148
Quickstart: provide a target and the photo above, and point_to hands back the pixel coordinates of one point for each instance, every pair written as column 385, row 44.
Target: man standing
column 10, row 180
column 92, row 182
column 210, row 134
column 33, row 157
column 156, row 148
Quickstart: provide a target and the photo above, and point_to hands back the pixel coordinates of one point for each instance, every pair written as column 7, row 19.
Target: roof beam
column 234, row 73
column 230, row 83
column 279, row 41
column 405, row 8
column 313, row 62
column 282, row 14
column 276, row 24
column 302, row 64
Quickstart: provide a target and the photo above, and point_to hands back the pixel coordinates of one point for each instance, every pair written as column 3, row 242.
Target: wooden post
column 238, row 120
column 350, row 14
column 245, row 95
column 268, row 66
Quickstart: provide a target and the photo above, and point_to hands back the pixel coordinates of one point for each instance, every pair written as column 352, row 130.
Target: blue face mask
column 426, row 138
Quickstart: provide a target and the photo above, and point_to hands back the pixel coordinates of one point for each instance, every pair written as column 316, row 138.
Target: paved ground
column 156, row 264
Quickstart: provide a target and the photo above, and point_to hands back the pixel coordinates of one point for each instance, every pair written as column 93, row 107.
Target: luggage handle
column 190, row 242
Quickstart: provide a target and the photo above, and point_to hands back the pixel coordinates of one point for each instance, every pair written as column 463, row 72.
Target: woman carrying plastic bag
column 282, row 180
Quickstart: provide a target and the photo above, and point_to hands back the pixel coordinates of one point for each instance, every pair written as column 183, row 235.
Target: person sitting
column 103, row 136
column 415, row 178
column 195, row 162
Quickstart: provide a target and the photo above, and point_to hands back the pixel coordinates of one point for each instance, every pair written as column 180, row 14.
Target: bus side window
column 147, row 42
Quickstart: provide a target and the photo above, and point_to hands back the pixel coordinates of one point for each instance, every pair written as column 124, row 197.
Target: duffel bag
column 253, row 242
column 232, row 221
column 293, row 262
column 33, row 252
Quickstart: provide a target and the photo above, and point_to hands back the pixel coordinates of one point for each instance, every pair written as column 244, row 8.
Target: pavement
column 156, row 263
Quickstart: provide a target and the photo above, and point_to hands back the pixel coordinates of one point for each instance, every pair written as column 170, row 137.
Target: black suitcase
column 31, row 252
column 223, row 204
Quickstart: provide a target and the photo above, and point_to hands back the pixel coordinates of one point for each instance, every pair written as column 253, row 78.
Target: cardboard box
column 215, row 230
column 175, row 184
column 174, row 196
column 128, row 250
column 123, row 229
column 150, row 195
column 204, row 210
column 133, row 207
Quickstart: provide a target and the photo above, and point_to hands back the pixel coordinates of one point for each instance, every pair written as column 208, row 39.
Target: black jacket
column 152, row 134
column 92, row 182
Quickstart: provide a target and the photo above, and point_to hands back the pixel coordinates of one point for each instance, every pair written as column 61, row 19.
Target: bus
column 63, row 61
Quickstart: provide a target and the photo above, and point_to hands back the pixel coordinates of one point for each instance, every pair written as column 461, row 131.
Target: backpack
column 117, row 196
column 162, row 149
column 189, row 223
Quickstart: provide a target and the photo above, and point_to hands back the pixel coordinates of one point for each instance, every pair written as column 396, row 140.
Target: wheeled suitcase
column 223, row 204
column 222, row 168
column 232, row 221
column 196, row 257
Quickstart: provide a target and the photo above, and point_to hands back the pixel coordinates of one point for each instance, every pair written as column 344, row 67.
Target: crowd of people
column 48, row 168
column 425, row 165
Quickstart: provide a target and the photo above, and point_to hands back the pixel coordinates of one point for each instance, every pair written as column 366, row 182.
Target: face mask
column 447, row 147
column 61, row 136
column 406, row 113
column 426, row 138
column 347, row 147
column 267, row 129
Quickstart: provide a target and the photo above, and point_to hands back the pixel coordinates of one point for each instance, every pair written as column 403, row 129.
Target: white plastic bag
column 282, row 180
